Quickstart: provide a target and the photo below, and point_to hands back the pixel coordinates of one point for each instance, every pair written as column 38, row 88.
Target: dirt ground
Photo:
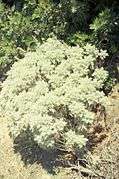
column 104, row 158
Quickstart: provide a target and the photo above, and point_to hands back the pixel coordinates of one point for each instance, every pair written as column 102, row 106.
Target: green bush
column 50, row 91
column 105, row 29
column 79, row 38
column 19, row 31
column 34, row 23
column 102, row 29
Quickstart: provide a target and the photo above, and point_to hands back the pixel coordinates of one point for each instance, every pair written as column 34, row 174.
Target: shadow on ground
column 31, row 153
column 49, row 159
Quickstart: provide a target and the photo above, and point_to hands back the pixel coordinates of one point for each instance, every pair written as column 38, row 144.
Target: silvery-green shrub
column 50, row 92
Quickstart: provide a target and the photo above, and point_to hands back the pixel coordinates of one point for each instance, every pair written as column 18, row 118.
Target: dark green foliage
column 102, row 28
column 18, row 32
column 79, row 38
column 74, row 21
column 106, row 29
column 35, row 22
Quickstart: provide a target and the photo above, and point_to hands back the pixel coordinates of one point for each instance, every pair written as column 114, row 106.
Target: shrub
column 105, row 28
column 78, row 38
column 18, row 30
column 50, row 91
